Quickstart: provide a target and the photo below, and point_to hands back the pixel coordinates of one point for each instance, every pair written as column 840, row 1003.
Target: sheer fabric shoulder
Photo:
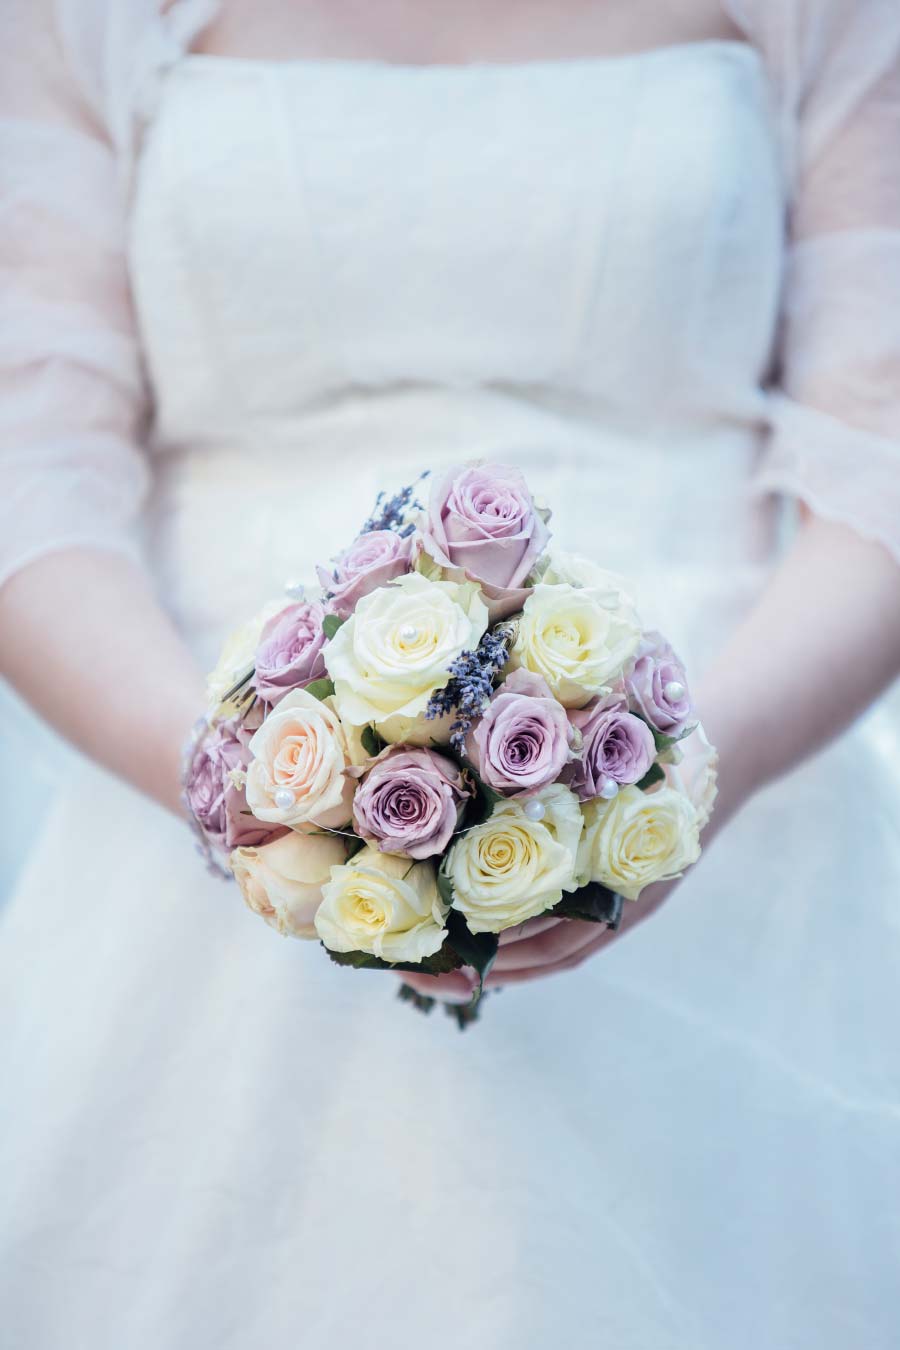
column 835, row 411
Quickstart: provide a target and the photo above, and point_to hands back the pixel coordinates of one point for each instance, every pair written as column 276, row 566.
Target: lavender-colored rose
column 410, row 801
column 289, row 652
column 372, row 560
column 215, row 791
column 483, row 519
column 657, row 687
column 524, row 739
column 617, row 747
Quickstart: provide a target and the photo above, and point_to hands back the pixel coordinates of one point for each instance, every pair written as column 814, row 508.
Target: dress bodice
column 606, row 230
column 367, row 268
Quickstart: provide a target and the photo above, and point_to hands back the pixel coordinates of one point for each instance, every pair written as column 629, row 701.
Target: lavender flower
column 470, row 686
column 390, row 512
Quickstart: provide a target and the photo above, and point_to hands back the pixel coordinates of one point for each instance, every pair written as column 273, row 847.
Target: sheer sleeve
column 835, row 406
column 72, row 397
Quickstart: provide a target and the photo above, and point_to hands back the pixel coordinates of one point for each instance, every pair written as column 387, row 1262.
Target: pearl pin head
column 609, row 789
column 674, row 691
column 409, row 633
column 284, row 798
column 535, row 810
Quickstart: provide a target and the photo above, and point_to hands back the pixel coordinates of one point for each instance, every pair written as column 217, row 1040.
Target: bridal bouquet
column 458, row 730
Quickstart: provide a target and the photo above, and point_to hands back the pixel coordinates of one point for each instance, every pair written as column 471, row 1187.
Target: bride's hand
column 540, row 947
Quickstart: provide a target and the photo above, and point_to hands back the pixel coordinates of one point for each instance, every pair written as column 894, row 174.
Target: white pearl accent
column 284, row 798
column 609, row 789
column 295, row 590
column 535, row 810
column 408, row 633
column 674, row 691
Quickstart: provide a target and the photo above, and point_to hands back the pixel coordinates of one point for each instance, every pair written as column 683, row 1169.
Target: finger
column 499, row 979
column 547, row 948
column 530, row 928
column 454, row 987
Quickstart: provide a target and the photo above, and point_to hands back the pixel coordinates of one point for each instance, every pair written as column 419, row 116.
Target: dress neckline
column 308, row 64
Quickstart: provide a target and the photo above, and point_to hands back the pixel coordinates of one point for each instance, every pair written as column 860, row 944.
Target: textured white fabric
column 342, row 273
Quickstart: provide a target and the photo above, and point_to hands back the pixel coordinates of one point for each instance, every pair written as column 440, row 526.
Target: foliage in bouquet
column 460, row 730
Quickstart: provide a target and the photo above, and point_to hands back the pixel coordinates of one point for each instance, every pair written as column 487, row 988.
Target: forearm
column 85, row 642
column 822, row 642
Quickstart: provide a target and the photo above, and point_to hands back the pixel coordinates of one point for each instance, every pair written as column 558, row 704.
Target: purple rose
column 372, row 560
column 410, row 801
column 657, row 687
column 289, row 653
column 615, row 745
column 483, row 520
column 523, row 739
column 219, row 806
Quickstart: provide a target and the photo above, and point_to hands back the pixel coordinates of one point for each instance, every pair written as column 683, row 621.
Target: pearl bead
column 674, row 691
column 408, row 633
column 609, row 789
column 295, row 590
column 284, row 798
column 535, row 810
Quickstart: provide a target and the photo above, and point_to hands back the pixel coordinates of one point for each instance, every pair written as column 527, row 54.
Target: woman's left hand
column 542, row 946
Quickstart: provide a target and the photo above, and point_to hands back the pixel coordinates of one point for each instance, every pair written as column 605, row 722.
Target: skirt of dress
column 212, row 1136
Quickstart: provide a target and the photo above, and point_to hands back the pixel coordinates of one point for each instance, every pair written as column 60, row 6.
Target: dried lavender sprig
column 390, row 512
column 470, row 685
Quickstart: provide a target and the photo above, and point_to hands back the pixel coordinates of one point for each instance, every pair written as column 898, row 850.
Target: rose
column 409, row 801
column 482, row 518
column 236, row 661
column 577, row 639
column 638, row 838
column 283, row 880
column 300, row 754
column 657, row 687
column 692, row 766
column 616, row 746
column 396, row 649
column 382, row 904
column 289, row 653
column 372, row 560
column 523, row 739
column 571, row 569
column 215, row 789
column 513, row 867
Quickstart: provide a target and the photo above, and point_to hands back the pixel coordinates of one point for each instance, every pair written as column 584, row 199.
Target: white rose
column 283, row 880
column 638, row 838
column 297, row 774
column 236, row 660
column 571, row 569
column 511, row 867
column 694, row 769
column 382, row 904
column 396, row 649
column 578, row 642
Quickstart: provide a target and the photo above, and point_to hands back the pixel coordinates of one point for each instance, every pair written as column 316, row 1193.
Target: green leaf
column 443, row 960
column 320, row 689
column 484, row 801
column 474, row 949
column 330, row 624
column 372, row 743
column 445, row 888
column 593, row 903
column 653, row 775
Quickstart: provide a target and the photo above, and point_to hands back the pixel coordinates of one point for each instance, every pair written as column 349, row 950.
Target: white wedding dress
column 344, row 273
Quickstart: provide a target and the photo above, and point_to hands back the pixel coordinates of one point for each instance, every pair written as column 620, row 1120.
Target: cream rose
column 297, row 773
column 513, row 867
column 638, row 838
column 283, row 881
column 571, row 569
column 383, row 904
column 393, row 653
column 577, row 638
column 236, row 660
